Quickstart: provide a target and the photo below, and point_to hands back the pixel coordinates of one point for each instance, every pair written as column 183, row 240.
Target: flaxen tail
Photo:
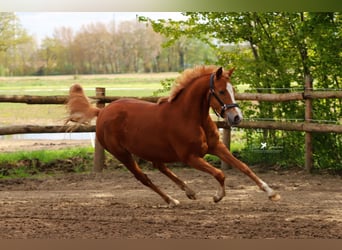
column 80, row 110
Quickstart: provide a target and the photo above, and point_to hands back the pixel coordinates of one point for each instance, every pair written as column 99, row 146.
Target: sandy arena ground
column 113, row 205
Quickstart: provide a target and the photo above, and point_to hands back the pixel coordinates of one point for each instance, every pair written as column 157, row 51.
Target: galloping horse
column 176, row 129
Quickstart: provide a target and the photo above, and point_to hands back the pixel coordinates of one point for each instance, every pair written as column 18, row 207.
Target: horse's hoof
column 275, row 197
column 217, row 198
column 191, row 195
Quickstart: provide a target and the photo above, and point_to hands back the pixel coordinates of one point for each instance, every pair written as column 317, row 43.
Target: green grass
column 44, row 156
column 23, row 164
column 23, row 114
column 122, row 85
column 20, row 172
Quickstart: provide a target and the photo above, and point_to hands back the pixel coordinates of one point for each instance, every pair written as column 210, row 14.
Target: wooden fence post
column 308, row 118
column 226, row 141
column 99, row 155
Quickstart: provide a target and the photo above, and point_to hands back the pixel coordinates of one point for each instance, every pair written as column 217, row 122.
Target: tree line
column 97, row 48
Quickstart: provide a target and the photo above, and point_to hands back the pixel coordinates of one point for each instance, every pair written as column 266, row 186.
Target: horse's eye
column 222, row 92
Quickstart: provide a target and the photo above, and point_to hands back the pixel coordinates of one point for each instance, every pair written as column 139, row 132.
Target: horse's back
column 127, row 108
column 125, row 114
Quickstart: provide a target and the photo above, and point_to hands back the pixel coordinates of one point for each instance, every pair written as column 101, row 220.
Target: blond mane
column 185, row 79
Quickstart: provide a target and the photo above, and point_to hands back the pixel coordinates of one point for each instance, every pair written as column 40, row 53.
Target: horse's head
column 221, row 97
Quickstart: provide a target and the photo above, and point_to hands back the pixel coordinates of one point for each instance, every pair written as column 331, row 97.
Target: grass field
column 45, row 156
column 116, row 85
column 134, row 85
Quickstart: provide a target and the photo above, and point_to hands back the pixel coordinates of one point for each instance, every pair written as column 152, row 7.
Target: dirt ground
column 113, row 205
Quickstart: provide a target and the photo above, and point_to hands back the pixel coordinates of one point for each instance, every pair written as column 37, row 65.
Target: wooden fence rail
column 285, row 97
column 288, row 126
column 307, row 95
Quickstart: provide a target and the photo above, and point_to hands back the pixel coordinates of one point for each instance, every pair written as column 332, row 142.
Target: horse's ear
column 219, row 73
column 230, row 72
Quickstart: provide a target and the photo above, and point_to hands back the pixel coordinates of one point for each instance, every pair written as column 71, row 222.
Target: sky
column 43, row 24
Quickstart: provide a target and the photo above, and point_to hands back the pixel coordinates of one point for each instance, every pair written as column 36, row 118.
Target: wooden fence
column 101, row 99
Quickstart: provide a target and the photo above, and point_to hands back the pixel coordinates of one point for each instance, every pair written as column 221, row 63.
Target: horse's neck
column 194, row 100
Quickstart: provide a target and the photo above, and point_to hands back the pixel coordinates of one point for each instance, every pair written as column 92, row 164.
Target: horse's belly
column 157, row 155
column 151, row 146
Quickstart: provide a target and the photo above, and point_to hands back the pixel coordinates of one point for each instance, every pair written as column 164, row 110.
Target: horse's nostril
column 237, row 119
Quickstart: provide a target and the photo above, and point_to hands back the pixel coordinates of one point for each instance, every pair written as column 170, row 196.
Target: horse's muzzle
column 233, row 117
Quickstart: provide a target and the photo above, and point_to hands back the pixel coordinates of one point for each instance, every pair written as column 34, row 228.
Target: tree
column 13, row 39
column 49, row 54
column 8, row 28
column 273, row 52
column 64, row 38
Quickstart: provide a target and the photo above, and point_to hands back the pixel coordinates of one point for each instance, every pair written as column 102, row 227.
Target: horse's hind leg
column 201, row 164
column 127, row 159
column 165, row 170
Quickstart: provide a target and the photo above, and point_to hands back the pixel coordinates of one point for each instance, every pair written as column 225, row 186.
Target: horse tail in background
column 80, row 109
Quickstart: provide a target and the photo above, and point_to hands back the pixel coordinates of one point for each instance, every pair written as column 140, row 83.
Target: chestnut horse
column 176, row 129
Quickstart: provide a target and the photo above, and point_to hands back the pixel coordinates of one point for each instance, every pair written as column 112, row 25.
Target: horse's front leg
column 223, row 153
column 201, row 164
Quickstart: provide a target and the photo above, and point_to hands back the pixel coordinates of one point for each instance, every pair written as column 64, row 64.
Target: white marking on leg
column 267, row 189
column 173, row 202
column 220, row 193
column 272, row 195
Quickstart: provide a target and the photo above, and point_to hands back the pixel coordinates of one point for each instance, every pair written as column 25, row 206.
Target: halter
column 224, row 106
